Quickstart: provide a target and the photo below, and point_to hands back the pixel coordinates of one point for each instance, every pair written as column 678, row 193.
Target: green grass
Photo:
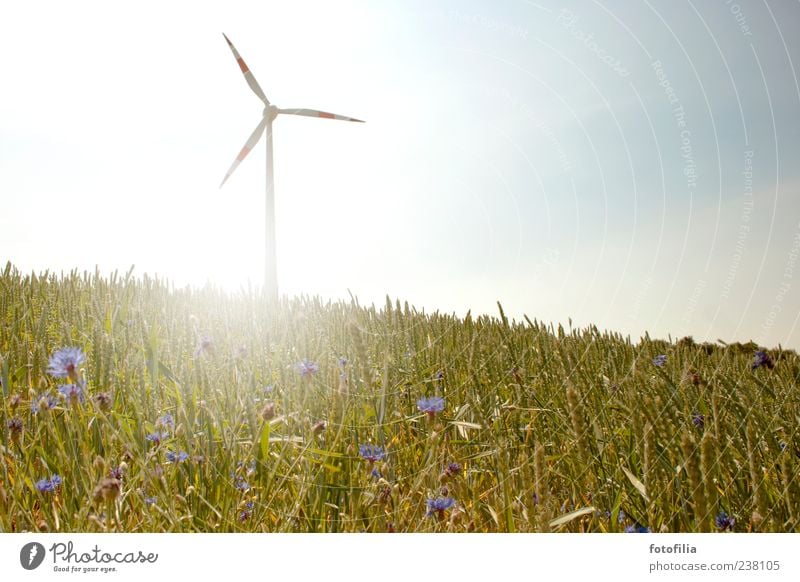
column 555, row 430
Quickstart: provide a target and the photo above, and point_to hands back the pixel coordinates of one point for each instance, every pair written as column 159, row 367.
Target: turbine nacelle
column 270, row 112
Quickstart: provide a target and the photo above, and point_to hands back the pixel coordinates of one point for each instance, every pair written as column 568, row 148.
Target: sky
column 631, row 165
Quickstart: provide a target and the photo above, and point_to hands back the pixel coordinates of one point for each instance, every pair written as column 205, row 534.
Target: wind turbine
column 267, row 117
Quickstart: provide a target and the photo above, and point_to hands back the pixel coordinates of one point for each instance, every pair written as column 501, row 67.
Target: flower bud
column 268, row 412
column 107, row 490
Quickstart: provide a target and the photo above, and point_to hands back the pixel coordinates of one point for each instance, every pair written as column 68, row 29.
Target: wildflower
column 440, row 375
column 439, row 505
column 245, row 514
column 451, row 470
column 166, row 421
column 107, row 490
column 306, row 368
column 241, row 484
column 149, row 500
column 45, row 402
column 342, row 362
column 431, row 405
column 660, row 360
column 723, row 521
column 157, row 437
column 620, row 517
column 699, row 420
column 49, row 485
column 117, row 472
column 15, row 428
column 762, row 359
column 250, row 468
column 204, row 346
column 174, row 457
column 72, row 392
column 103, row 401
column 268, row 389
column 637, row 528
column 64, row 363
column 375, row 473
column 371, row 453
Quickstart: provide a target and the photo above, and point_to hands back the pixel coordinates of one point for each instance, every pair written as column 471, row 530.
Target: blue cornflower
column 250, row 468
column 620, row 517
column 637, row 528
column 64, row 363
column 699, row 420
column 205, row 345
column 45, row 401
column 174, row 457
column 660, row 360
column 723, row 521
column 149, row 500
column 371, row 453
column 116, row 473
column 72, row 392
column 452, row 469
column 157, row 437
column 166, row 420
column 15, row 428
column 245, row 514
column 48, row 485
column 375, row 473
column 306, row 368
column 440, row 505
column 342, row 362
column 241, row 484
column 762, row 359
column 431, row 405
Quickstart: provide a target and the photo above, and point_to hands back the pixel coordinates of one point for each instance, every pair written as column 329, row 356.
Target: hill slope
column 193, row 410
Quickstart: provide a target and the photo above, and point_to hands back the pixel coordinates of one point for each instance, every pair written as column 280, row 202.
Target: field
column 183, row 410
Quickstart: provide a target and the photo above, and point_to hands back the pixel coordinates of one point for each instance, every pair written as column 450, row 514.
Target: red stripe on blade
column 242, row 65
column 243, row 153
column 327, row 115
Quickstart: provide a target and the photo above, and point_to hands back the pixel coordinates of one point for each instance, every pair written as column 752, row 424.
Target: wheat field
column 132, row 405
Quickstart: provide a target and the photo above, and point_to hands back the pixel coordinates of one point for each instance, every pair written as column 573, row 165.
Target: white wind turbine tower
column 268, row 116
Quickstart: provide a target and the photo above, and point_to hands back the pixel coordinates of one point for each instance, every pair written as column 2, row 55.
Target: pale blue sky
column 525, row 152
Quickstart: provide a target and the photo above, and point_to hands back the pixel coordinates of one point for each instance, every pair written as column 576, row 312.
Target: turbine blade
column 315, row 113
column 248, row 75
column 249, row 145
